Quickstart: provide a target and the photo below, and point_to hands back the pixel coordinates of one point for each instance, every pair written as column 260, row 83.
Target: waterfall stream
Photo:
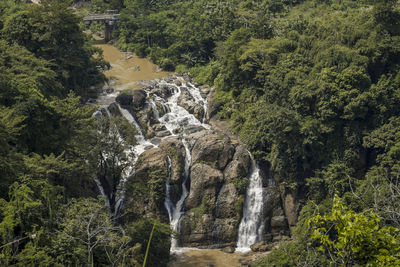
column 168, row 112
column 251, row 227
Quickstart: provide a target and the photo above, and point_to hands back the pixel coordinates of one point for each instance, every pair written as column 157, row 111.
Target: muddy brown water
column 127, row 69
column 205, row 258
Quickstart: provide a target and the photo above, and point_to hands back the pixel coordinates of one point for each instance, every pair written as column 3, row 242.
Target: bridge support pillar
column 108, row 30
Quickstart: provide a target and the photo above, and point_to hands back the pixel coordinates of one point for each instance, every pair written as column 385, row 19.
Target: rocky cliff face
column 172, row 116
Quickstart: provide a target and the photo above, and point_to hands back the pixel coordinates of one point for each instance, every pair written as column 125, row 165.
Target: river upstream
column 131, row 72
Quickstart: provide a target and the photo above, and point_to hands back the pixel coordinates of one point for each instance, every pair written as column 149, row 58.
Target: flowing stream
column 251, row 227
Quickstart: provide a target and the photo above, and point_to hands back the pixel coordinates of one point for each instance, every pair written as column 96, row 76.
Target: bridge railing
column 101, row 17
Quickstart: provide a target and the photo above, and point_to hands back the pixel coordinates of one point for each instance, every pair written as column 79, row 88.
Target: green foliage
column 240, row 184
column 85, row 227
column 62, row 46
column 156, row 185
column 349, row 238
column 160, row 244
column 292, row 253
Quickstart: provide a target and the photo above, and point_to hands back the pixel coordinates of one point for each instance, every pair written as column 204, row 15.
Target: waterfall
column 131, row 119
column 175, row 117
column 252, row 226
column 168, row 192
column 179, row 121
column 101, row 190
column 195, row 93
column 175, row 211
column 154, row 108
column 141, row 144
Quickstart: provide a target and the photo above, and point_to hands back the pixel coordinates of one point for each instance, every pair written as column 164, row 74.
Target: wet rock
column 124, row 99
column 204, row 90
column 163, row 91
column 204, row 185
column 159, row 127
column 151, row 175
column 177, row 131
column 193, row 129
column 138, row 98
column 227, row 197
column 174, row 149
column 213, row 105
column 187, row 101
column 228, row 249
column 214, row 150
column 240, row 165
column 198, row 112
column 114, row 109
column 262, row 246
column 163, row 133
column 278, row 222
column 156, row 141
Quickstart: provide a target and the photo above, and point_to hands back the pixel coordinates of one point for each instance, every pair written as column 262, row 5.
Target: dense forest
column 312, row 87
column 51, row 146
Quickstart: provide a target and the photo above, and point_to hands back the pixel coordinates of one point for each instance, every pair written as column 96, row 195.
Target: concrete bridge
column 109, row 19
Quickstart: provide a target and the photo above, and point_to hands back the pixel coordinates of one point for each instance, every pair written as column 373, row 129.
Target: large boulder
column 291, row 209
column 262, row 246
column 149, row 161
column 205, row 183
column 240, row 164
column 204, row 90
column 174, row 149
column 114, row 109
column 214, row 150
column 145, row 190
column 163, row 90
column 138, row 98
column 226, row 202
column 124, row 99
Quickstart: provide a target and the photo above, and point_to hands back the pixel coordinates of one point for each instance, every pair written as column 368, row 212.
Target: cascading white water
column 154, row 108
column 177, row 116
column 252, row 226
column 168, row 191
column 138, row 149
column 175, row 211
column 195, row 93
column 101, row 190
column 175, row 119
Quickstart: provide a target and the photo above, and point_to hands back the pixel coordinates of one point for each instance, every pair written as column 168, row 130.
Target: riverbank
column 205, row 257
